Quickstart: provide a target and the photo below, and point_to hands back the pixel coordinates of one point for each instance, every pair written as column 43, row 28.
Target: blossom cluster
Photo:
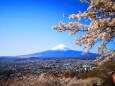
column 101, row 13
column 72, row 27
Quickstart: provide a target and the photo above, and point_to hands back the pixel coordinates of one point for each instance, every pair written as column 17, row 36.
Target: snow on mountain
column 60, row 47
column 61, row 52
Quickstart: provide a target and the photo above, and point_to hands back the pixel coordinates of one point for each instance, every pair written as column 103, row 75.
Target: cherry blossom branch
column 101, row 13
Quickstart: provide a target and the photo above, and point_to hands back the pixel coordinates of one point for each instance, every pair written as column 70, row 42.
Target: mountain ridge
column 59, row 52
column 63, row 54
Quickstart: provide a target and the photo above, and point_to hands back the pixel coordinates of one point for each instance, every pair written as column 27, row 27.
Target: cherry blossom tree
column 101, row 14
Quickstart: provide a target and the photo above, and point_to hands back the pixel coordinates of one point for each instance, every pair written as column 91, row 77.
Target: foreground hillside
column 43, row 80
column 100, row 76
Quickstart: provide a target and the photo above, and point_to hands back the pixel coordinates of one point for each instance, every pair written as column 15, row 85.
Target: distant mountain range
column 62, row 52
column 59, row 52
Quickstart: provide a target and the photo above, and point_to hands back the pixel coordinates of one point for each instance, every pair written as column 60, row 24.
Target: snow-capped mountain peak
column 60, row 47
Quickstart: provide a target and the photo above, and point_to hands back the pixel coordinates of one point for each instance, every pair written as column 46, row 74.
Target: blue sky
column 26, row 25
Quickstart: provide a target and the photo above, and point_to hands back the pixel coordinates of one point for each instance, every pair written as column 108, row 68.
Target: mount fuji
column 62, row 52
